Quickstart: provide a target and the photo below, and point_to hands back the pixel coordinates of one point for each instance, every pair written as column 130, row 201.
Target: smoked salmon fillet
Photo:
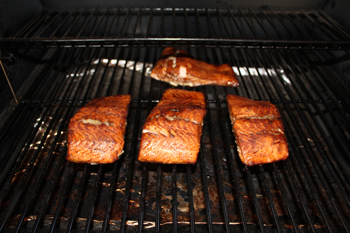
column 96, row 131
column 258, row 129
column 172, row 131
column 177, row 67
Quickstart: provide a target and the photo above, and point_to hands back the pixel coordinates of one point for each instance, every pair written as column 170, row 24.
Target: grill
column 201, row 27
column 280, row 56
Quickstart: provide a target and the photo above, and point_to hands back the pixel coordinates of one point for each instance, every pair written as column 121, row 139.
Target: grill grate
column 307, row 192
column 241, row 28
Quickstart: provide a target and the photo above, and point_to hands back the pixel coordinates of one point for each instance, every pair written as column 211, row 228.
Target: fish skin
column 258, row 129
column 96, row 132
column 173, row 129
column 177, row 67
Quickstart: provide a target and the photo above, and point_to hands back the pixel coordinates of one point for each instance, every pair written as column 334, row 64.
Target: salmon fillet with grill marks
column 258, row 129
column 177, row 67
column 96, row 131
column 172, row 131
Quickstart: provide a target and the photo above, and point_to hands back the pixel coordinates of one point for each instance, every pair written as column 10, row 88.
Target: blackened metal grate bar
column 158, row 197
column 84, row 27
column 276, row 171
column 327, row 188
column 323, row 155
column 340, row 163
column 315, row 164
column 249, row 178
column 308, row 192
column 218, row 169
column 206, row 194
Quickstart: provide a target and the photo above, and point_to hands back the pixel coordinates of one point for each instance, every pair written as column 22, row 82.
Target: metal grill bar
column 29, row 25
column 262, row 173
column 36, row 25
column 303, row 197
column 74, row 23
column 253, row 192
column 124, row 22
column 110, row 25
column 45, row 200
column 40, row 176
column 84, row 175
column 110, row 196
column 286, row 199
column 206, row 193
column 336, row 155
column 330, row 168
column 142, row 198
column 331, row 23
column 327, row 188
column 75, row 206
column 32, row 133
column 9, row 147
column 249, row 25
column 99, row 173
column 62, row 194
column 99, row 22
column 190, row 196
column 133, row 149
column 233, row 174
column 93, row 199
column 236, row 24
column 308, row 28
column 22, row 108
column 174, row 196
column 86, row 22
column 324, row 32
column 61, row 23
column 308, row 192
column 47, row 26
column 260, row 24
column 314, row 163
column 158, row 197
column 218, row 169
column 282, row 23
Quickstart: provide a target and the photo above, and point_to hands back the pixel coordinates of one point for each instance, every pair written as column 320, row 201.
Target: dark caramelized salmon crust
column 177, row 67
column 258, row 129
column 172, row 131
column 96, row 131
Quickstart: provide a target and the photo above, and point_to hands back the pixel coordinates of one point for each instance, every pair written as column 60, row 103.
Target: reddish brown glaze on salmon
column 177, row 67
column 258, row 129
column 96, row 131
column 172, row 131
column 241, row 107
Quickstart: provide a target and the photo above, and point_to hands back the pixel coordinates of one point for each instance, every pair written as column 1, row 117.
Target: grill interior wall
column 307, row 192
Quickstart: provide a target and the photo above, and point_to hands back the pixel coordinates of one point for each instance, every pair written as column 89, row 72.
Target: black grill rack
column 41, row 191
column 309, row 192
column 203, row 27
